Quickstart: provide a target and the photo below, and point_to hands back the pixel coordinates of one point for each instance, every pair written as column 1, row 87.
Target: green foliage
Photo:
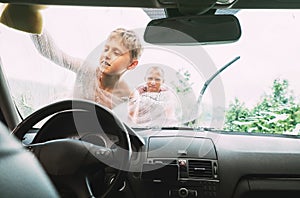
column 236, row 116
column 23, row 104
column 183, row 84
column 276, row 113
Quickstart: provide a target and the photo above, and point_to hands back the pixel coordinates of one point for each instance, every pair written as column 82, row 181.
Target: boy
column 101, row 83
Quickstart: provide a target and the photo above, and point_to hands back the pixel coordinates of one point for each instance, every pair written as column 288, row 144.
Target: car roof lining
column 239, row 4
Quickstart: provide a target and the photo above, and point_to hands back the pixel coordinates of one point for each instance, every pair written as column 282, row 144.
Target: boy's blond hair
column 130, row 40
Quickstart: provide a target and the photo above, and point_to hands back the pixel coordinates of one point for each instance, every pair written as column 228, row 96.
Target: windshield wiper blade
column 178, row 128
column 191, row 128
column 212, row 77
column 207, row 82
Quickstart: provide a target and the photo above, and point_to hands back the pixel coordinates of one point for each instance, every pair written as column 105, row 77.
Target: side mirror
column 190, row 30
column 26, row 18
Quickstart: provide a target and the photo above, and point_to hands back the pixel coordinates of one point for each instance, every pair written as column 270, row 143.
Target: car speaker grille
column 200, row 169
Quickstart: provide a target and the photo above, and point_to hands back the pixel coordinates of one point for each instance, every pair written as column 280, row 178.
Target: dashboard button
column 183, row 192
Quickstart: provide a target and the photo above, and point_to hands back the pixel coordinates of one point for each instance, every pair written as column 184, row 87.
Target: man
column 153, row 103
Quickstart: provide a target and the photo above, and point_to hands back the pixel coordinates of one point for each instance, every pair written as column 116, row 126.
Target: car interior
column 79, row 148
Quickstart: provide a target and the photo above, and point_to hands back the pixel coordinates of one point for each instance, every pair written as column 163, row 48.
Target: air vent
column 200, row 169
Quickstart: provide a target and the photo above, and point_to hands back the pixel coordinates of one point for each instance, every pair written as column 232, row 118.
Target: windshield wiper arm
column 212, row 77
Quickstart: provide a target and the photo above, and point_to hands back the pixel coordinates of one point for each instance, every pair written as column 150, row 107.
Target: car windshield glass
column 98, row 54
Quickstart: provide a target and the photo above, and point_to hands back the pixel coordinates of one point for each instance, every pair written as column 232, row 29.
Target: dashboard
column 185, row 163
column 197, row 163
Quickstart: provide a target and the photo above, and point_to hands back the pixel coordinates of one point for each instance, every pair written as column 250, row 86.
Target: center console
column 180, row 167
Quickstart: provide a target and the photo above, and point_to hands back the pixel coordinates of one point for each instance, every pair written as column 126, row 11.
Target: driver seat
column 20, row 172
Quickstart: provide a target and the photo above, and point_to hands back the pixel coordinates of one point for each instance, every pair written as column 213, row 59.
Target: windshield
column 99, row 54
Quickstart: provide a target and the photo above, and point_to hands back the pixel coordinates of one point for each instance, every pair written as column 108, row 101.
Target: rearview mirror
column 202, row 29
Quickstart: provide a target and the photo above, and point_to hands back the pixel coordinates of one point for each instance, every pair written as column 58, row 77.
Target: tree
column 276, row 113
column 236, row 116
column 23, row 104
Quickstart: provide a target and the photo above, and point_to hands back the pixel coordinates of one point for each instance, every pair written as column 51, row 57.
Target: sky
column 268, row 49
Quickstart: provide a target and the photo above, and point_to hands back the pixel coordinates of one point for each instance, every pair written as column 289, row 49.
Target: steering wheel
column 74, row 159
